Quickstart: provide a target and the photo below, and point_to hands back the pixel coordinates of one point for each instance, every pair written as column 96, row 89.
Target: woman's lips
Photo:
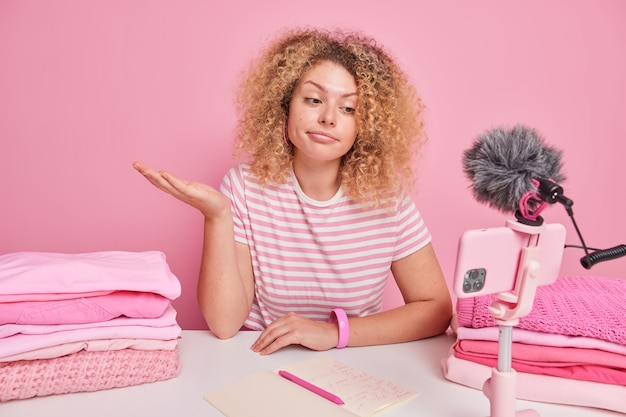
column 321, row 137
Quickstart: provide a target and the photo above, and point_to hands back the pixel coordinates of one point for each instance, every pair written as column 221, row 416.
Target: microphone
column 514, row 170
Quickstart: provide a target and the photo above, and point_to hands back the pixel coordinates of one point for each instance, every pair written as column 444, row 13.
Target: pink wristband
column 339, row 316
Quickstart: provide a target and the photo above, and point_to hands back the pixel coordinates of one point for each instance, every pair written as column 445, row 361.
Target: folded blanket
column 85, row 309
column 575, row 306
column 41, row 276
column 573, row 363
column 86, row 371
column 543, row 388
column 92, row 346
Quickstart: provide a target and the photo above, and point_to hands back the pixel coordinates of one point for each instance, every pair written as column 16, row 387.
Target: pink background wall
column 87, row 87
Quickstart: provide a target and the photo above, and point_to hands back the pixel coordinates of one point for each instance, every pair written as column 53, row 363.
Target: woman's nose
column 327, row 117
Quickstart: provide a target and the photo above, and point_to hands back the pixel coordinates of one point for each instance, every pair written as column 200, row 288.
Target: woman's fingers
column 162, row 180
column 198, row 195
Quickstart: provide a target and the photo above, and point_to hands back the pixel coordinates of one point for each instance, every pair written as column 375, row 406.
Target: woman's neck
column 319, row 180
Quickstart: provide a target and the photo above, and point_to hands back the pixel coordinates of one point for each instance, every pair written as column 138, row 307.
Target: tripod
column 500, row 388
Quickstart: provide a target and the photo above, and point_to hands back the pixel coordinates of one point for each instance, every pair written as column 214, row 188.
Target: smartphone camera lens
column 474, row 280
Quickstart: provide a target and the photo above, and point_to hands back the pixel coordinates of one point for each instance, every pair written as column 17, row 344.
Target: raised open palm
column 203, row 197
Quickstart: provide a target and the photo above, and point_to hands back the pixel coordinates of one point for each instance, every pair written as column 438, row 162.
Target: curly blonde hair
column 388, row 111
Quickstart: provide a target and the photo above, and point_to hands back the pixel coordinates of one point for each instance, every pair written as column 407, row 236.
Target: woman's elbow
column 443, row 315
column 222, row 330
column 439, row 316
column 222, row 334
column 221, row 326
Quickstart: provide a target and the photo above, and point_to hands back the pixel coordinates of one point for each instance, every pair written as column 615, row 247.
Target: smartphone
column 488, row 259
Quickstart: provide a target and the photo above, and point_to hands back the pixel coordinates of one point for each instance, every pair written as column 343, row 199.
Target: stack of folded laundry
column 570, row 349
column 85, row 322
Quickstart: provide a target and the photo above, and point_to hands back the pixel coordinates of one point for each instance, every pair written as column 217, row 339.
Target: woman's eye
column 348, row 110
column 312, row 100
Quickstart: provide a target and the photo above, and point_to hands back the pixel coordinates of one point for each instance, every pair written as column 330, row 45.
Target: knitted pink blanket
column 86, row 371
column 575, row 306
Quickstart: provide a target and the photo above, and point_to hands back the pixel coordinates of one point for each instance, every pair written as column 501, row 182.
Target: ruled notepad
column 266, row 393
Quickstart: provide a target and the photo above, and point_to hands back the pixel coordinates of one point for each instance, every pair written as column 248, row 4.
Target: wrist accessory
column 339, row 316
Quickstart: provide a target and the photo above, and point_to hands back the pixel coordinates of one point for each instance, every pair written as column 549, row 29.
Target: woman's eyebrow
column 321, row 87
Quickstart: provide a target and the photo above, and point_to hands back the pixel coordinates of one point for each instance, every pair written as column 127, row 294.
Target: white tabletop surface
column 209, row 363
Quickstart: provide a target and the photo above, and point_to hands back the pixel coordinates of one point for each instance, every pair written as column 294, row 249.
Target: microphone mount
column 551, row 192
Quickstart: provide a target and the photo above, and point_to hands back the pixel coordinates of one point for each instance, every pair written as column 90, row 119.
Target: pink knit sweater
column 85, row 372
column 575, row 306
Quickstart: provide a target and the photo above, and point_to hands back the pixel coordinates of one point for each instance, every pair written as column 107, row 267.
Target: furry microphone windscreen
column 503, row 162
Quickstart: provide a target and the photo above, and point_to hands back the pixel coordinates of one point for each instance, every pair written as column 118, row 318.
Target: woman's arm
column 225, row 285
column 427, row 312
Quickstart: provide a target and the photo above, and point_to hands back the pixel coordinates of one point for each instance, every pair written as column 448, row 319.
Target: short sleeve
column 411, row 229
column 233, row 187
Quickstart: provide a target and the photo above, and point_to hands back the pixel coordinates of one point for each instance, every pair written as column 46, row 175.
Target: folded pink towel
column 93, row 346
column 85, row 309
column 544, row 388
column 548, row 355
column 41, row 276
column 18, row 339
column 584, row 371
column 575, row 306
column 539, row 338
column 168, row 318
column 86, row 371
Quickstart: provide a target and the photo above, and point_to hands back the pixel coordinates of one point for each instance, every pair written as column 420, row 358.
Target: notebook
column 265, row 393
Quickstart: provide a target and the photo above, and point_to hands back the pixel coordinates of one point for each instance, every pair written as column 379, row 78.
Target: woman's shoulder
column 239, row 172
column 394, row 202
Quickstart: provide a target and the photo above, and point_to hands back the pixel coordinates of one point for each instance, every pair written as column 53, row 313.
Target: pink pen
column 311, row 387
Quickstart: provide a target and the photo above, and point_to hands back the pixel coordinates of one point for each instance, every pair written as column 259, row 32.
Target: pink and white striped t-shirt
column 312, row 256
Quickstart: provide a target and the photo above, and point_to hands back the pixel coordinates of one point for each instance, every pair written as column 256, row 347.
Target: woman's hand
column 294, row 329
column 203, row 197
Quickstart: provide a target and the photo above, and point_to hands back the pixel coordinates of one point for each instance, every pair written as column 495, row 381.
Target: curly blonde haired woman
column 302, row 235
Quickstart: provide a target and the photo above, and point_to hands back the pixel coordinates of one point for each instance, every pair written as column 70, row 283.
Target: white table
column 209, row 363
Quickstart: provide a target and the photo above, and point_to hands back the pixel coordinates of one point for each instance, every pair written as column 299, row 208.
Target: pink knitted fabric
column 86, row 371
column 574, row 306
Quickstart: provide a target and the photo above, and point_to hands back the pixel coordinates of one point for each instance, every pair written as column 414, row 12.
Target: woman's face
column 322, row 123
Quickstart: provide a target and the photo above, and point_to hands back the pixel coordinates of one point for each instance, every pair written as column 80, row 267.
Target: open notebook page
column 267, row 393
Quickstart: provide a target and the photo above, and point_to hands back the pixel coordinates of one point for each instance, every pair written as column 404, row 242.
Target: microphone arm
column 551, row 193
